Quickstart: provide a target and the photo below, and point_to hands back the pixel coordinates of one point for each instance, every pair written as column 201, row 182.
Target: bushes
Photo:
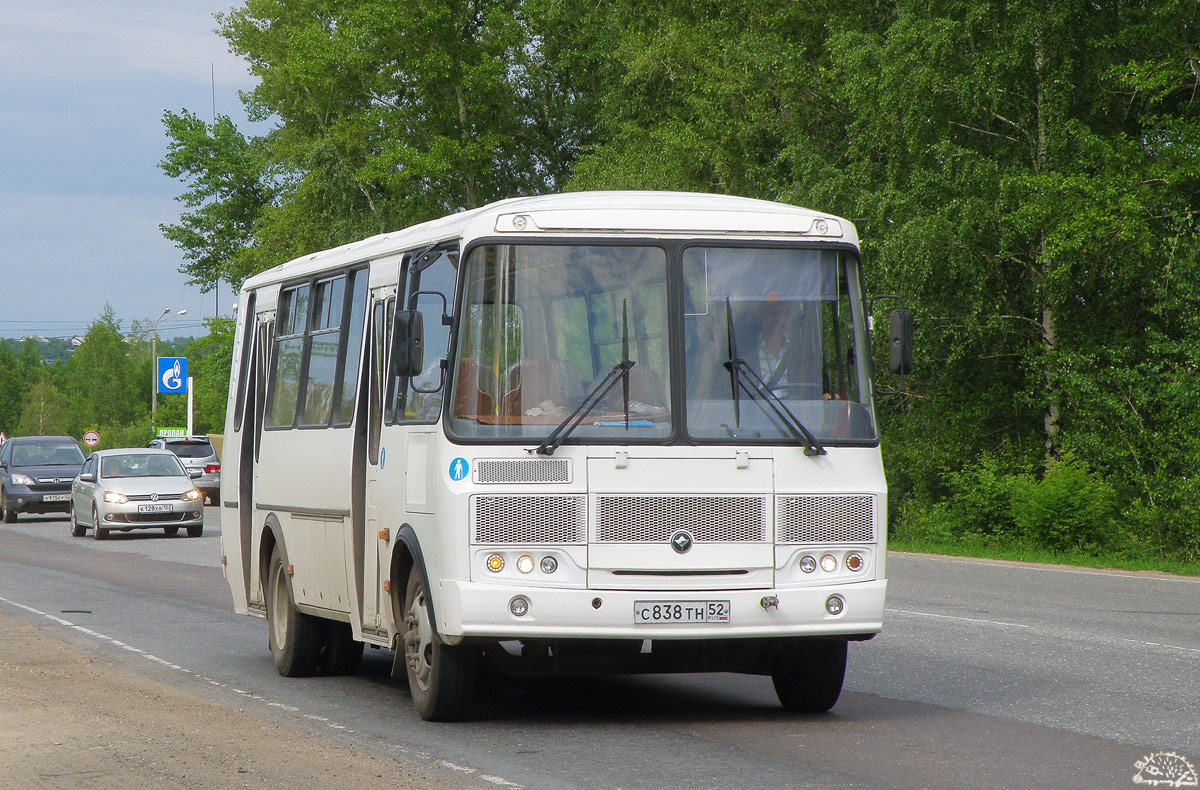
column 1068, row 508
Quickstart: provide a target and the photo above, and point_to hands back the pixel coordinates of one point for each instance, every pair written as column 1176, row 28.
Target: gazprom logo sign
column 172, row 375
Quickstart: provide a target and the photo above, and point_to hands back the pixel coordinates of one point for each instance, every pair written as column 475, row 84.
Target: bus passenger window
column 285, row 369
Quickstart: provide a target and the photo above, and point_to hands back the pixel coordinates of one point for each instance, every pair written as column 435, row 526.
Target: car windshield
column 542, row 325
column 193, row 449
column 47, row 454
column 792, row 317
column 141, row 465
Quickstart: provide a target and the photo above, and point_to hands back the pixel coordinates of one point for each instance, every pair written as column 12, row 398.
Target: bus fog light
column 525, row 563
column 519, row 606
column 834, row 604
column 828, row 563
column 549, row 565
column 495, row 563
column 808, row 563
column 854, row 562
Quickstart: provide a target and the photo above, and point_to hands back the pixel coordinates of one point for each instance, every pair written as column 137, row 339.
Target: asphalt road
column 987, row 675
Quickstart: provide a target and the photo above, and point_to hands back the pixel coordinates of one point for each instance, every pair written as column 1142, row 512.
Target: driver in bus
column 776, row 358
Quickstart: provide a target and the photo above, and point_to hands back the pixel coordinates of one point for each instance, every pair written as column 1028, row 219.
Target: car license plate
column 155, row 508
column 681, row 611
column 56, row 497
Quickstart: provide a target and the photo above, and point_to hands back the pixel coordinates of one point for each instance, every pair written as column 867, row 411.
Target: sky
column 83, row 87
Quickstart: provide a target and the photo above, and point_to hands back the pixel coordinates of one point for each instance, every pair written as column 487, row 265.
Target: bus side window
column 431, row 290
column 381, row 319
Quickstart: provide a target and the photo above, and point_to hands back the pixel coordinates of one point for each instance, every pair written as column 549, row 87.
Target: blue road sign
column 172, row 375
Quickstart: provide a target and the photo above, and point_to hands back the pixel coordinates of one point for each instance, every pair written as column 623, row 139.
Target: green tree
column 44, row 412
column 11, row 389
column 99, row 380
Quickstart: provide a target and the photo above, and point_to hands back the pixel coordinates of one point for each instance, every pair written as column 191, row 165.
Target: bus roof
column 573, row 214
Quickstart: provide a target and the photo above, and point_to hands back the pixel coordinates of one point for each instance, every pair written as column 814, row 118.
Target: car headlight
column 191, row 496
column 115, row 497
column 22, row 480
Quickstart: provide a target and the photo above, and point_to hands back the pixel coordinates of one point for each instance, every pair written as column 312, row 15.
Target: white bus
column 577, row 433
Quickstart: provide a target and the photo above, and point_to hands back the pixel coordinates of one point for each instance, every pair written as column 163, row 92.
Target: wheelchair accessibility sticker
column 458, row 469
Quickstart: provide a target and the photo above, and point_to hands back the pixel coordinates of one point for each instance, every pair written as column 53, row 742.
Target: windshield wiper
column 620, row 371
column 740, row 373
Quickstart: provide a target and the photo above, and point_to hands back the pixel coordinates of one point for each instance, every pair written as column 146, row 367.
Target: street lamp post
column 154, row 365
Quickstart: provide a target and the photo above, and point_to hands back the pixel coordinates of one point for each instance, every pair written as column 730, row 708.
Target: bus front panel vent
column 825, row 519
column 523, row 470
column 655, row 519
column 529, row 519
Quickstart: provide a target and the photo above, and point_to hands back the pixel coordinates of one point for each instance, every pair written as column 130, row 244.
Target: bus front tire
column 294, row 637
column 441, row 677
column 808, row 675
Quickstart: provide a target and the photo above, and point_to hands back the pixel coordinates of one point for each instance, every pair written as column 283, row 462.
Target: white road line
column 1005, row 624
column 963, row 619
column 324, row 721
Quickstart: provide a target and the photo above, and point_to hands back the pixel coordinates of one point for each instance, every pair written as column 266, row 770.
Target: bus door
column 259, row 336
column 413, row 405
column 383, row 306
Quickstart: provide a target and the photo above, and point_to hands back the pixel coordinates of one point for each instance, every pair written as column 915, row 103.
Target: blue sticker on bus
column 459, row 468
column 382, row 456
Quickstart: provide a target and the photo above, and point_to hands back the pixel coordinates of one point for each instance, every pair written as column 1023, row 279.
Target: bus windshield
column 791, row 317
column 543, row 325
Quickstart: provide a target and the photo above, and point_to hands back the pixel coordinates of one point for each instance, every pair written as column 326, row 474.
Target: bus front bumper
column 471, row 609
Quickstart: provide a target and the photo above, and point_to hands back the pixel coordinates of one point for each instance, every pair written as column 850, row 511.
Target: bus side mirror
column 900, row 342
column 408, row 349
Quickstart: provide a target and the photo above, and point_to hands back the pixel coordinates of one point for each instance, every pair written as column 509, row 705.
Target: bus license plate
column 155, row 508
column 681, row 611
column 56, row 497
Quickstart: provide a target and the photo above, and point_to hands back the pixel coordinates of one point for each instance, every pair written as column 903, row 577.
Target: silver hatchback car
column 196, row 452
column 135, row 489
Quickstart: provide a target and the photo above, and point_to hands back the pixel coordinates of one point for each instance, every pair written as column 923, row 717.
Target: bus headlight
column 549, row 565
column 808, row 564
column 828, row 563
column 525, row 563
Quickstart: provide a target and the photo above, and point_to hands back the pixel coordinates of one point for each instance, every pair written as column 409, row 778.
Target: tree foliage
column 1023, row 173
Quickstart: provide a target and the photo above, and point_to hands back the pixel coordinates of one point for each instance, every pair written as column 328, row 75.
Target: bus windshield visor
column 793, row 317
column 543, row 325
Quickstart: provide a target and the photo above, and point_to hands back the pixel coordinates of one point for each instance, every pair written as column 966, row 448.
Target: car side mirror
column 408, row 343
column 900, row 342
column 87, row 477
column 195, row 473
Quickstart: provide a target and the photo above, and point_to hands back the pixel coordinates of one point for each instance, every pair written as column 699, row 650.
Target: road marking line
column 341, row 729
column 1022, row 625
column 954, row 617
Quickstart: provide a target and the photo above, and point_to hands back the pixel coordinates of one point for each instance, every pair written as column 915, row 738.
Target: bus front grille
column 523, row 470
column 825, row 519
column 655, row 519
column 529, row 519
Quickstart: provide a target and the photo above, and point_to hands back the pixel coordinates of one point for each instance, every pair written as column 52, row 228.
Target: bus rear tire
column 808, row 675
column 341, row 653
column 441, row 677
column 294, row 637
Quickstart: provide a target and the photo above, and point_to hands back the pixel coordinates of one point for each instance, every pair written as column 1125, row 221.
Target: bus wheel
column 341, row 653
column 808, row 675
column 441, row 678
column 294, row 637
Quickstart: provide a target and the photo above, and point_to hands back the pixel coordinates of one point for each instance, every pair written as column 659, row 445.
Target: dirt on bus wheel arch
column 70, row 718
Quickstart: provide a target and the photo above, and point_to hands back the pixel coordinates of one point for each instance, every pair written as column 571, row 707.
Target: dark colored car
column 36, row 474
